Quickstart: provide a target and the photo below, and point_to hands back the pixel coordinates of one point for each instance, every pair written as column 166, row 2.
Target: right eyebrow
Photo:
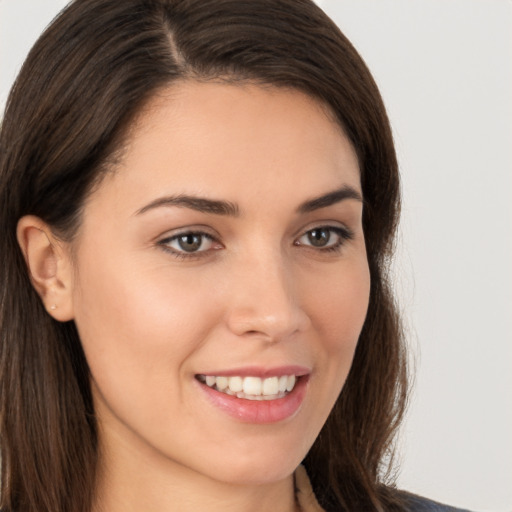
column 200, row 204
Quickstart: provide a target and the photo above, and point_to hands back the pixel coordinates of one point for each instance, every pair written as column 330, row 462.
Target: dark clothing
column 416, row 503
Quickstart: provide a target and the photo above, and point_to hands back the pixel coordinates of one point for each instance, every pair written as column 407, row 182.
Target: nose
column 265, row 302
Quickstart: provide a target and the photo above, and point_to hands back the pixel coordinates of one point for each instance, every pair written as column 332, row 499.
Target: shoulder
column 415, row 503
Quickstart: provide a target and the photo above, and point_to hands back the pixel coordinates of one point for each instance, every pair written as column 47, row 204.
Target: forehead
column 234, row 141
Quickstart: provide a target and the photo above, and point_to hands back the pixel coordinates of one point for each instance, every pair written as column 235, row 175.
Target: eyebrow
column 329, row 199
column 201, row 204
column 219, row 207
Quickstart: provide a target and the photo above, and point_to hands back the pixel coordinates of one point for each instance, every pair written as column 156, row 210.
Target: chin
column 263, row 465
column 255, row 473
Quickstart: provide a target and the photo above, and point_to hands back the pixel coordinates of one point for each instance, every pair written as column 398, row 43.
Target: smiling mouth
column 251, row 388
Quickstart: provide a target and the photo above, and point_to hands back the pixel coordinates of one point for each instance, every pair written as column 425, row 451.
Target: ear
column 49, row 265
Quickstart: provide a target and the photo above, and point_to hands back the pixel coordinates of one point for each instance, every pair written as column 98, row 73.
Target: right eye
column 188, row 243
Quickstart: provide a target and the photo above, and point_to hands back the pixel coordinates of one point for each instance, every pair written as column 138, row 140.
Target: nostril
column 267, row 312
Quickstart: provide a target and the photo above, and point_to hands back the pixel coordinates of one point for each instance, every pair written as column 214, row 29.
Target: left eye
column 325, row 237
column 189, row 242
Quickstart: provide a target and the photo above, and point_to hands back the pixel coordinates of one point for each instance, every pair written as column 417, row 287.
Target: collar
column 305, row 496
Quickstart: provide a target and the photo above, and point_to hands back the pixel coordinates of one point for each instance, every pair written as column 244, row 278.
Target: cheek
column 340, row 308
column 130, row 301
column 339, row 315
column 137, row 328
column 337, row 310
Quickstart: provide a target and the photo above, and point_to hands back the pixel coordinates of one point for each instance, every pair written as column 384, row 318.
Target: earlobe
column 49, row 266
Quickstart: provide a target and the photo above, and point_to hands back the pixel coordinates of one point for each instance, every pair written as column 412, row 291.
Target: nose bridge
column 265, row 301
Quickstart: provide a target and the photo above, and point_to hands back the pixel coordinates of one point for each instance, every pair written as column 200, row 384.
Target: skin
column 258, row 293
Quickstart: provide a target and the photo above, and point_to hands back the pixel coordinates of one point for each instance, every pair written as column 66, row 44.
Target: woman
column 198, row 204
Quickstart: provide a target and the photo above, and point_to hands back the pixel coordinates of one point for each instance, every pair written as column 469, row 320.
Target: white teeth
column 291, row 383
column 252, row 388
column 283, row 381
column 236, row 384
column 271, row 386
column 221, row 383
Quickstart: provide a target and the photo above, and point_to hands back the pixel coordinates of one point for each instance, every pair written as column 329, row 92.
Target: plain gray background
column 445, row 71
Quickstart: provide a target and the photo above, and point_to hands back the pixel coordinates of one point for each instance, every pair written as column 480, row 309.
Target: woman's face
column 224, row 254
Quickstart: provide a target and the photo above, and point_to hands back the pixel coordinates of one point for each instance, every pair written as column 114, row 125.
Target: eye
column 189, row 243
column 325, row 237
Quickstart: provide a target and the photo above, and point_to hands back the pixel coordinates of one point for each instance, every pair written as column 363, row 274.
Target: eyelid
column 334, row 225
column 164, row 241
column 198, row 229
column 343, row 232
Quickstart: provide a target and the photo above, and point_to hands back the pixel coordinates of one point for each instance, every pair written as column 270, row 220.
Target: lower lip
column 256, row 411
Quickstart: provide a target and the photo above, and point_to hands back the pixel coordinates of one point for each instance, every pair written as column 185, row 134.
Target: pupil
column 319, row 237
column 190, row 242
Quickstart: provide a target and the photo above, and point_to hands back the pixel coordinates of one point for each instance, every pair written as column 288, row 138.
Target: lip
column 254, row 411
column 258, row 371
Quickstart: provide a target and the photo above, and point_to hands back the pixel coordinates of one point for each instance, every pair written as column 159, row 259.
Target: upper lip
column 262, row 372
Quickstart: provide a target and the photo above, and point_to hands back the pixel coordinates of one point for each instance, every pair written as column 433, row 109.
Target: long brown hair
column 81, row 86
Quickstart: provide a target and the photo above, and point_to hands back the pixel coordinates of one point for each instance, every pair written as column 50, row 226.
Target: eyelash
column 343, row 234
column 182, row 254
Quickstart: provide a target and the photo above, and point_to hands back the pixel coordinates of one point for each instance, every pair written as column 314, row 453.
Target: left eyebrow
column 336, row 196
